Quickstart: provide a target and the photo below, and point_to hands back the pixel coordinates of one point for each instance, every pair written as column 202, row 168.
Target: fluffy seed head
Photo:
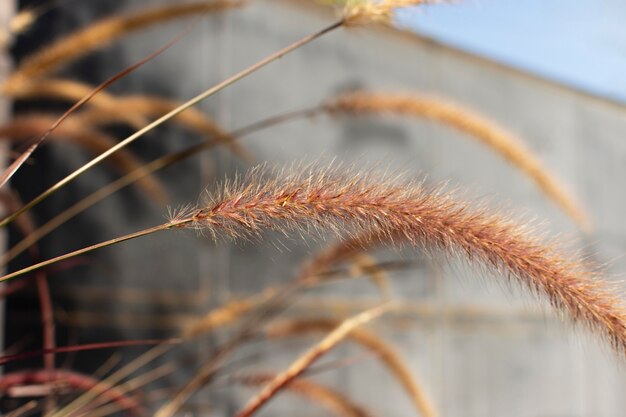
column 363, row 12
column 396, row 211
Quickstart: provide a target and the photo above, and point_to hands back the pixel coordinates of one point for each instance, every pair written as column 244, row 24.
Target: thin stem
column 309, row 357
column 144, row 171
column 197, row 99
column 276, row 120
column 35, row 267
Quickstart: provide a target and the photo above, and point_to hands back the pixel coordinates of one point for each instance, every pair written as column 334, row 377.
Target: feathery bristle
column 404, row 212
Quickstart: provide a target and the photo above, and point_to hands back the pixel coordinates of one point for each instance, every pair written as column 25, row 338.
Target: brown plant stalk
column 317, row 394
column 370, row 341
column 135, row 111
column 152, row 107
column 74, row 380
column 302, row 363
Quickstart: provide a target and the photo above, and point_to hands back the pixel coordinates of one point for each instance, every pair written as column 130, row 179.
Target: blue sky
column 577, row 42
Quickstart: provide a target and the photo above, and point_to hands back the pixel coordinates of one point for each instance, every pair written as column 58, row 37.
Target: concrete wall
column 480, row 348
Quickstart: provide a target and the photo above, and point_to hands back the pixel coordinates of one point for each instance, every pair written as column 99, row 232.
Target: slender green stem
column 192, row 102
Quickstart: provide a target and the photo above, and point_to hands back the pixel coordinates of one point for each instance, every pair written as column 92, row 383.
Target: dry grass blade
column 228, row 313
column 362, row 263
column 74, row 91
column 78, row 381
column 15, row 165
column 365, row 264
column 309, row 357
column 23, row 410
column 24, row 128
column 103, row 406
column 152, row 107
column 111, row 381
column 132, row 110
column 390, row 358
column 103, row 32
column 316, row 393
column 490, row 134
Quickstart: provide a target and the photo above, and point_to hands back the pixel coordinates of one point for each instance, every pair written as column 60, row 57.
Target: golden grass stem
column 91, row 248
column 84, row 399
column 23, row 128
column 75, row 91
column 99, row 195
column 369, row 340
column 197, row 99
column 317, row 394
column 309, row 357
column 15, row 165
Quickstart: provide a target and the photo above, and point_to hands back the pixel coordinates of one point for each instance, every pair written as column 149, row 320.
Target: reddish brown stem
column 74, row 380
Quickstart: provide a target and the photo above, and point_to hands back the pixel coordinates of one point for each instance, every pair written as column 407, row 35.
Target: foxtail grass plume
column 363, row 12
column 489, row 133
column 398, row 212
column 401, row 212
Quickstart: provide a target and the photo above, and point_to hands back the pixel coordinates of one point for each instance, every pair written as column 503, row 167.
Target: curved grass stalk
column 301, row 364
column 101, row 33
column 152, row 107
column 370, row 341
column 111, row 381
column 74, row 91
column 317, row 394
column 21, row 159
column 75, row 380
column 228, row 313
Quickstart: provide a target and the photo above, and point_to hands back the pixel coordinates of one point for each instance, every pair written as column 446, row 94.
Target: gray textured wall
column 480, row 348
